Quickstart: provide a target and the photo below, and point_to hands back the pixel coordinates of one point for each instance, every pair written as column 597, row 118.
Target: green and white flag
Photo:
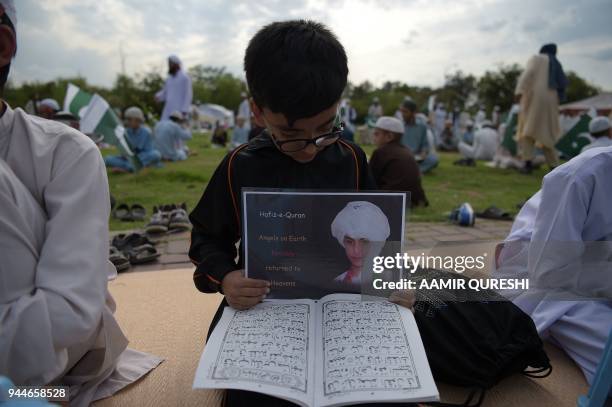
column 509, row 136
column 76, row 100
column 100, row 119
column 572, row 142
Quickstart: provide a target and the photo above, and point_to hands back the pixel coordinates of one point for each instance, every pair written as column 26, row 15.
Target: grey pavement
column 418, row 235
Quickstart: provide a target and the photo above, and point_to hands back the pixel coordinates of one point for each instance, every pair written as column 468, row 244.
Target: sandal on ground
column 142, row 254
column 122, row 212
column 120, row 262
column 159, row 221
column 125, row 241
column 179, row 220
column 138, row 212
column 493, row 212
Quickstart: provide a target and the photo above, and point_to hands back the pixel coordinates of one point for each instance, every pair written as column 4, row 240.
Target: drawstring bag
column 476, row 338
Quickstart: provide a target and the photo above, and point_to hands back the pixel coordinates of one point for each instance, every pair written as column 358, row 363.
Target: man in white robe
column 56, row 314
column 439, row 122
column 484, row 145
column 539, row 89
column 561, row 240
column 480, row 117
column 177, row 92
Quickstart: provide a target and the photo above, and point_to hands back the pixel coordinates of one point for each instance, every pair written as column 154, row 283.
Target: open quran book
column 334, row 351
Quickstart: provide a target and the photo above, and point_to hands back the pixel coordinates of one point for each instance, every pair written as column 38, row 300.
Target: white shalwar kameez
column 176, row 94
column 562, row 241
column 56, row 314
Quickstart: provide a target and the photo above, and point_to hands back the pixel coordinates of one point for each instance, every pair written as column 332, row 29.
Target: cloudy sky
column 414, row 41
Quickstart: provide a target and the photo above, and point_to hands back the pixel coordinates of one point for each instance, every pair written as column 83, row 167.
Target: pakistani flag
column 99, row 118
column 76, row 100
column 575, row 138
column 509, row 140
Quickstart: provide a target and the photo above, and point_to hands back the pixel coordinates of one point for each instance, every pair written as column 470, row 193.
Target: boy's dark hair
column 297, row 68
column 4, row 71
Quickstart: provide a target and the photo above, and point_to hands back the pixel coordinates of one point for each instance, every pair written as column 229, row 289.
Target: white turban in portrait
column 361, row 220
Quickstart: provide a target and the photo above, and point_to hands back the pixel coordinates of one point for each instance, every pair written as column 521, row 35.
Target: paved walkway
column 419, row 235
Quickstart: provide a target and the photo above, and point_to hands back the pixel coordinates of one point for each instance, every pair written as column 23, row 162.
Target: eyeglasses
column 294, row 145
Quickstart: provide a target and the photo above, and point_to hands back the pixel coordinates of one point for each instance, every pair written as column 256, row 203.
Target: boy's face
column 308, row 128
column 381, row 137
column 355, row 249
column 132, row 123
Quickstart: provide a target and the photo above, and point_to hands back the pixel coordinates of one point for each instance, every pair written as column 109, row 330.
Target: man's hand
column 242, row 292
column 405, row 298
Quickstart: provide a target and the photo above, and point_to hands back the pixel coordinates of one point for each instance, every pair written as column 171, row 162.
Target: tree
column 497, row 87
column 458, row 88
column 579, row 88
column 214, row 85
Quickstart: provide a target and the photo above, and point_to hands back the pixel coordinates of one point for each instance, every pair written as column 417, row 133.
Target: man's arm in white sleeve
column 70, row 287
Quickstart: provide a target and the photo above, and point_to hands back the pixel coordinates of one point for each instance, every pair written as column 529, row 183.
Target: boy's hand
column 405, row 298
column 242, row 292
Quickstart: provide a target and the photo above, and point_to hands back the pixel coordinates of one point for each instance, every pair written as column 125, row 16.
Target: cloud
column 535, row 24
column 603, row 55
column 414, row 41
column 411, row 37
column 493, row 26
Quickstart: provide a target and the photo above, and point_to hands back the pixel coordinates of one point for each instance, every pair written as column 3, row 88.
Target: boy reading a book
column 296, row 72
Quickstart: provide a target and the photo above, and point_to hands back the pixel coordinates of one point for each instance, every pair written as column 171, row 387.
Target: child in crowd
column 140, row 141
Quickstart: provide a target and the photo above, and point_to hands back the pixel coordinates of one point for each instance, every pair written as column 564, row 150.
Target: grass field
column 446, row 186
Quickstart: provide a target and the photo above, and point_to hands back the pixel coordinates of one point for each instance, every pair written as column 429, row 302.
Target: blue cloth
column 240, row 135
column 429, row 163
column 556, row 77
column 468, row 137
column 415, row 138
column 147, row 158
column 168, row 140
column 141, row 144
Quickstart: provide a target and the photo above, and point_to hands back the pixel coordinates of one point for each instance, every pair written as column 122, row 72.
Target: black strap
column 538, row 373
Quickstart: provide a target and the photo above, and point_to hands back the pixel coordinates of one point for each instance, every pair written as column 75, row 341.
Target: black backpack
column 475, row 339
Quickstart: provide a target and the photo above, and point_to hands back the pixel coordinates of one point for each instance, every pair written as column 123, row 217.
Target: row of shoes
column 127, row 213
column 131, row 249
column 168, row 218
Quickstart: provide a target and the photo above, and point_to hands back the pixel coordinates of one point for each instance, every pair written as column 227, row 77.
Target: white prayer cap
column 134, row 113
column 599, row 124
column 176, row 115
column 243, row 94
column 50, row 103
column 174, row 59
column 361, row 220
column 9, row 9
column 388, row 123
column 487, row 122
column 469, row 123
column 375, row 99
